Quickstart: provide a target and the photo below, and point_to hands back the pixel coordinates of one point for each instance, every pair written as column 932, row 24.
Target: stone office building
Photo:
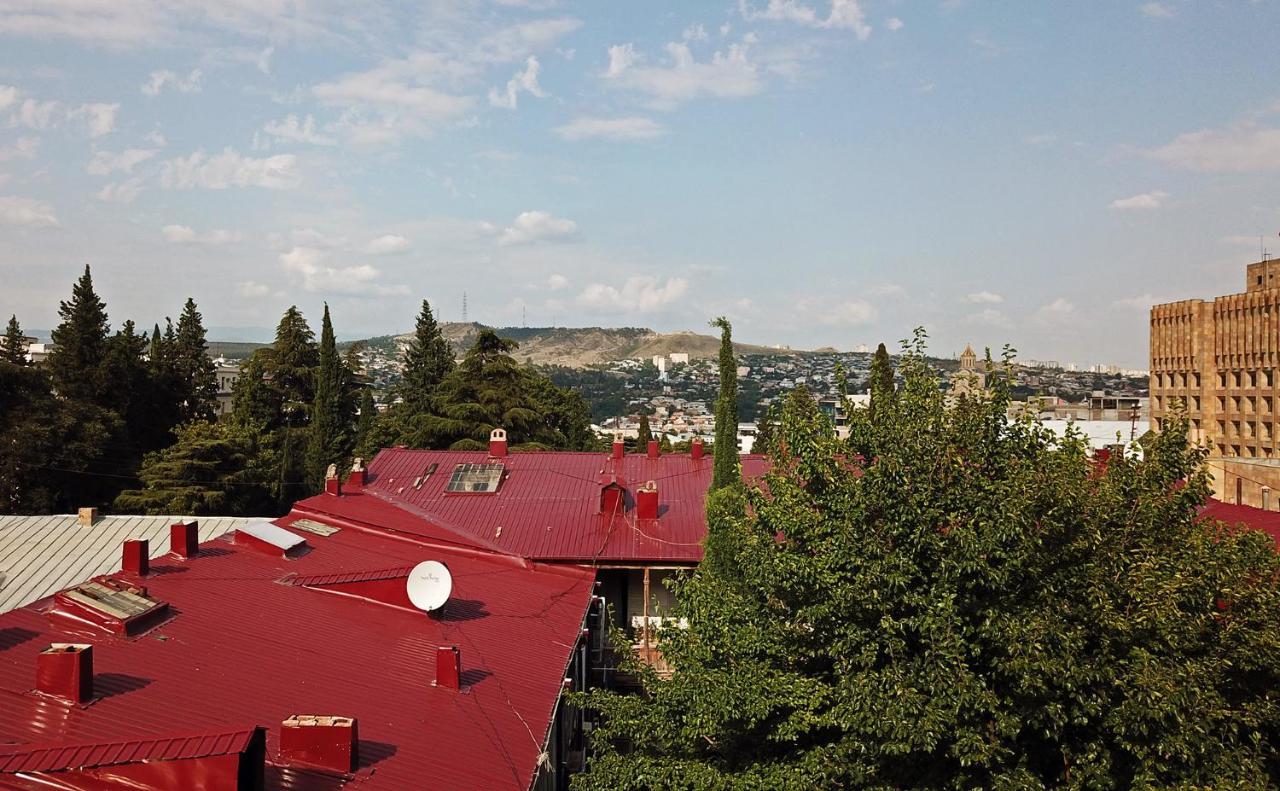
column 1221, row 359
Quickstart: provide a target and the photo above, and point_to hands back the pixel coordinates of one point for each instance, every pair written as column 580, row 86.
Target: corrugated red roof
column 60, row 757
column 247, row 647
column 548, row 505
column 1253, row 518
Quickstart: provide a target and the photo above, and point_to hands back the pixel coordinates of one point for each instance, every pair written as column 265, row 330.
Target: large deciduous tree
column 978, row 604
column 725, row 471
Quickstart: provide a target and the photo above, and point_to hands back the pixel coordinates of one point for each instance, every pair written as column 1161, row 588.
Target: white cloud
column 387, row 244
column 160, row 80
column 293, row 130
column 844, row 15
column 400, row 97
column 27, row 212
column 1156, row 10
column 99, row 118
column 893, row 23
column 728, row 74
column 317, row 275
column 183, row 234
column 537, row 226
column 1143, row 201
column 526, row 81
column 1142, row 302
column 105, row 163
column 628, row 128
column 23, row 148
column 230, row 169
column 557, row 283
column 888, row 290
column 695, row 33
column 990, row 317
column 35, row 114
column 850, row 313
column 123, row 192
column 250, row 288
column 984, row 298
column 8, row 96
column 1243, row 148
column 1057, row 310
column 517, row 42
column 642, row 293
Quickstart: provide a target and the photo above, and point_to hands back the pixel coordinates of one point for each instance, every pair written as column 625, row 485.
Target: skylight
column 475, row 478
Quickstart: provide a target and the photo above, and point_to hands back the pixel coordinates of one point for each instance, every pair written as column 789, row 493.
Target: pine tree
column 427, row 361
column 328, row 429
column 197, row 376
column 292, row 360
column 80, row 343
column 881, row 380
column 13, row 347
column 725, row 472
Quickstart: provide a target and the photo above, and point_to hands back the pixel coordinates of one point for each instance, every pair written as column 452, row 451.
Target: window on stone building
column 1195, row 403
column 1222, row 380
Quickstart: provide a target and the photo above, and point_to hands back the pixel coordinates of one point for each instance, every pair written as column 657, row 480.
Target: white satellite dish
column 429, row 585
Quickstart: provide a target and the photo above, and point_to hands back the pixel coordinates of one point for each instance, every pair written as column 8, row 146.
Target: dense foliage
column 959, row 602
column 725, row 473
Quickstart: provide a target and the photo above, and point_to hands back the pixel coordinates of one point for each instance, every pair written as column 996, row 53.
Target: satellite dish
column 429, row 585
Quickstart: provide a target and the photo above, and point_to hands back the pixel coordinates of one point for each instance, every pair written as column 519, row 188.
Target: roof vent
column 357, row 476
column 619, row 447
column 323, row 741
column 696, row 449
column 448, row 667
column 647, row 501
column 184, row 539
column 136, row 557
column 270, row 540
column 332, row 485
column 613, row 495
column 114, row 605
column 65, row 670
column 498, row 443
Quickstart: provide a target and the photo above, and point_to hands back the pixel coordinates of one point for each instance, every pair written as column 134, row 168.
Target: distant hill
column 233, row 350
column 577, row 347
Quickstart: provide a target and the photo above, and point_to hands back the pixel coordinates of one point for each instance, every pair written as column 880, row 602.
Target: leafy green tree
column 80, row 343
column 427, row 361
column 725, row 472
column 330, row 427
column 978, row 605
column 643, row 435
column 766, row 430
column 197, row 376
column 13, row 346
column 208, row 471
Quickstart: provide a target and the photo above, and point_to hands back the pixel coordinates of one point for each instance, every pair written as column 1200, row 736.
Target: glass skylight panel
column 475, row 478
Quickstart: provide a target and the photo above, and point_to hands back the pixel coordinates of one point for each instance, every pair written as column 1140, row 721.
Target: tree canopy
column 427, row 361
column 968, row 604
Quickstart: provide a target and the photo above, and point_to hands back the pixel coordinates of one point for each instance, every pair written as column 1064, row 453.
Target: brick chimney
column 498, row 443
column 696, row 449
column 654, row 449
column 357, row 476
column 65, row 670
column 184, row 538
column 332, row 484
column 323, row 741
column 136, row 557
column 619, row 447
column 647, row 501
column 448, row 667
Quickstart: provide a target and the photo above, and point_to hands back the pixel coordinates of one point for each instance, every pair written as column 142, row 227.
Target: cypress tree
column 427, row 361
column 368, row 413
column 725, row 472
column 80, row 344
column 881, row 383
column 13, row 347
column 196, row 374
column 327, row 429
column 644, row 435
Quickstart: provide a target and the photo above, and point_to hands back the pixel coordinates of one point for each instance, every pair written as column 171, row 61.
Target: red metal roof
column 548, row 505
column 1253, row 518
column 246, row 647
column 58, row 757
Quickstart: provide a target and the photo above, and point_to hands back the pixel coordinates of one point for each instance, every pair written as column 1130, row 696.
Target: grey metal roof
column 40, row 555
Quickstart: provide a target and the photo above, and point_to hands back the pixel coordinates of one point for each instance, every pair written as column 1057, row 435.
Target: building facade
column 1220, row 360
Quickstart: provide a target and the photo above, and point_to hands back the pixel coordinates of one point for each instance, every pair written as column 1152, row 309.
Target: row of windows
column 1178, row 380
column 1245, row 429
column 1235, row 380
column 1244, row 451
column 1169, row 402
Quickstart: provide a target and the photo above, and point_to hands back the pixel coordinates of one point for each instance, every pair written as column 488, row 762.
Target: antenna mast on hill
column 464, row 307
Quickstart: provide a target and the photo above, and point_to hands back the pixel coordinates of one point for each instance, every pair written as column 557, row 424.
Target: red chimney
column 448, row 667
column 332, row 484
column 327, row 742
column 619, row 447
column 136, row 558
column 696, row 449
column 647, row 501
column 654, row 449
column 184, row 538
column 65, row 670
column 498, row 443
column 357, row 473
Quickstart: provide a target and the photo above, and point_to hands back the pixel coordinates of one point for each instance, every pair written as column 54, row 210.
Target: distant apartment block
column 1221, row 358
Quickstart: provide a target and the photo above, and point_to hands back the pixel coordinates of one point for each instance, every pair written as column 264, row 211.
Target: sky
column 822, row 172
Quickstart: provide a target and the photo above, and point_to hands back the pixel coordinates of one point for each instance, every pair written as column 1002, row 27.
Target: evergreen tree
column 13, row 346
column 643, row 435
column 725, row 472
column 130, row 395
column 368, row 414
column 329, row 425
column 977, row 605
column 197, row 376
column 80, row 343
column 427, row 361
column 881, row 380
column 206, row 471
column 293, row 359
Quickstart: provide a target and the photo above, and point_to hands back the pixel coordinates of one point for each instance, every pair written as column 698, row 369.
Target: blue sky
column 823, row 173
